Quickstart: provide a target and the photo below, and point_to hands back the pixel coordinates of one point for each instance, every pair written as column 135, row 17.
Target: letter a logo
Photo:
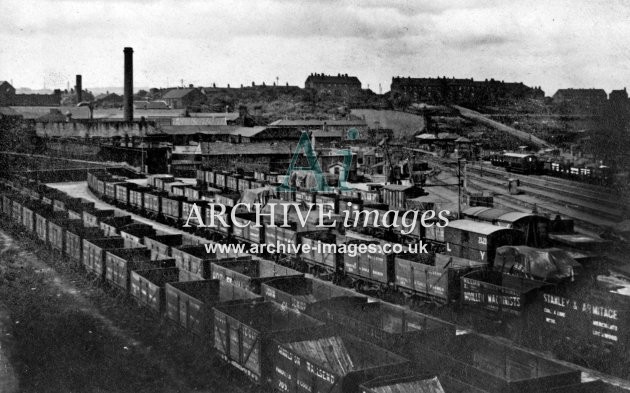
column 313, row 166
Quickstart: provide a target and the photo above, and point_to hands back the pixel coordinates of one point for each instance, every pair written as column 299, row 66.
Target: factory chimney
column 128, row 90
column 78, row 89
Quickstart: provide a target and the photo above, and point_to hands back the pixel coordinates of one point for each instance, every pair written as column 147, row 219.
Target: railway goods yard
column 525, row 293
column 209, row 230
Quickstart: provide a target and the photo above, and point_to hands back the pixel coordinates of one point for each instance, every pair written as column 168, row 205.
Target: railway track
column 601, row 197
column 599, row 212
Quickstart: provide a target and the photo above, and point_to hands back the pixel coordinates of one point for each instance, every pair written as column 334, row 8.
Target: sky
column 549, row 43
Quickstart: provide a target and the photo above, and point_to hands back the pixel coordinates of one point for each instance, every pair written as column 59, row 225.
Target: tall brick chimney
column 128, row 90
column 78, row 88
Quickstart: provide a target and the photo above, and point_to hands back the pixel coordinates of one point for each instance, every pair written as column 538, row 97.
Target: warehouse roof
column 177, row 93
column 319, row 123
column 224, row 148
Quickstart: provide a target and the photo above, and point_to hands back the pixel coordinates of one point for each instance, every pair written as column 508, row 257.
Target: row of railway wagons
column 529, row 163
column 281, row 328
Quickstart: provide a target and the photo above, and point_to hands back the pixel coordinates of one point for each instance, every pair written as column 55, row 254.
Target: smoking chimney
column 128, row 90
column 78, row 88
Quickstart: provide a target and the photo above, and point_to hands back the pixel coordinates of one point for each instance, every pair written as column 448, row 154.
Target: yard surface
column 62, row 332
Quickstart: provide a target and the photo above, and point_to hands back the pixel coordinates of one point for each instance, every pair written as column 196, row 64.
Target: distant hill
column 404, row 124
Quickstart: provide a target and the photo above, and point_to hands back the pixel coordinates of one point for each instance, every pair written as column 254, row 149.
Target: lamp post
column 459, row 185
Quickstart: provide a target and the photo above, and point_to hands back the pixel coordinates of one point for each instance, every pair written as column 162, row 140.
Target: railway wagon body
column 227, row 199
column 521, row 163
column 152, row 202
column 16, row 209
column 135, row 233
column 245, row 335
column 368, row 265
column 171, row 208
column 161, row 245
column 111, row 226
column 136, row 198
column 175, row 188
column 193, row 262
column 76, row 206
column 498, row 292
column 209, row 176
column 534, row 227
column 94, row 253
column 7, row 204
column 93, row 216
column 244, row 184
column 28, row 215
column 478, row 241
column 598, row 317
column 110, row 190
column 200, row 177
column 189, row 215
column 156, row 180
column 246, row 229
column 189, row 304
column 438, row 279
column 298, row 292
column 232, row 182
column 217, row 220
column 147, row 286
column 119, row 263
column 123, row 193
column 220, row 179
column 57, row 232
column 373, row 215
column 74, row 241
column 497, row 367
column 249, row 273
column 192, row 193
column 400, row 330
column 41, row 221
column 322, row 251
column 407, row 383
column 396, row 196
column 333, row 363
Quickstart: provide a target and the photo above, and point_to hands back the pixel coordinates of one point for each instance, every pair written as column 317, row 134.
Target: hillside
column 404, row 124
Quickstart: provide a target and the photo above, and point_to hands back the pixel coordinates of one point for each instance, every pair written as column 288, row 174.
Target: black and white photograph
column 325, row 196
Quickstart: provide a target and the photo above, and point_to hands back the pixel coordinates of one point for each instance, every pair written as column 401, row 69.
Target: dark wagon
column 333, row 364
column 74, row 241
column 189, row 304
column 94, row 253
column 249, row 273
column 147, row 286
column 298, row 292
column 478, row 241
column 246, row 335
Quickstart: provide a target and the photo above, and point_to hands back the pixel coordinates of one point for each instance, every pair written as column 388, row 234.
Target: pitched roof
column 150, row 105
column 220, row 129
column 224, row 148
column 339, row 79
column 317, row 123
column 178, row 93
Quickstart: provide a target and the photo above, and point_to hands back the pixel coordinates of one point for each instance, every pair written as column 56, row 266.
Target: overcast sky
column 554, row 43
